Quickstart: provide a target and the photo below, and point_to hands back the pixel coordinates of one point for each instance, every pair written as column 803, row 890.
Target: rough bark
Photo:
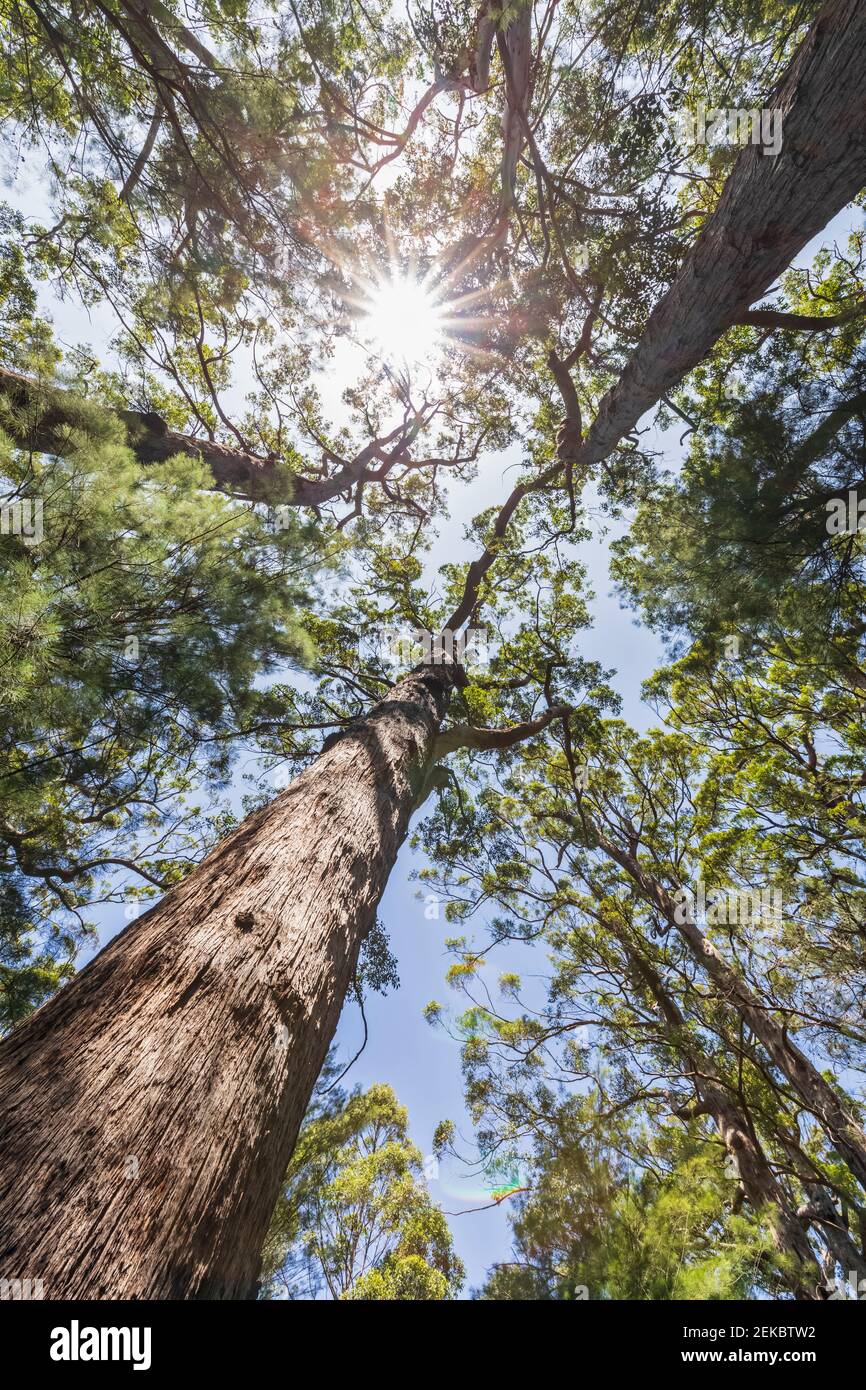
column 161, row 1054
column 150, row 1108
column 769, row 209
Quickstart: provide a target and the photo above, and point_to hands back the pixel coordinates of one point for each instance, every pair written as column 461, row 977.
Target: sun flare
column 404, row 321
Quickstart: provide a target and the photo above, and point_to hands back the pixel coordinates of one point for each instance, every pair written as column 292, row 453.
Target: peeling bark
column 516, row 46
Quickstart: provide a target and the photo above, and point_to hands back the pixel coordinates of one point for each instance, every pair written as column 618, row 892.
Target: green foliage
column 138, row 626
column 594, row 1228
column 355, row 1220
column 739, row 544
column 220, row 186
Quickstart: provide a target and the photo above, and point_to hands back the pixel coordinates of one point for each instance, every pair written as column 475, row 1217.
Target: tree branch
column 466, row 736
column 807, row 323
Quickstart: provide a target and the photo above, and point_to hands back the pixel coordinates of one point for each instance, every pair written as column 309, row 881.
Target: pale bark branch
column 467, row 736
column 43, row 415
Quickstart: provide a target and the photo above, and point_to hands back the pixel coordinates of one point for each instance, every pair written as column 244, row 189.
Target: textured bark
column 769, row 209
column 148, row 1111
column 817, row 1095
column 820, row 1212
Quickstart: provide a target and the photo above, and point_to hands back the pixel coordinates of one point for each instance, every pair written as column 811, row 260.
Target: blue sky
column 423, row 1066
column 421, row 1063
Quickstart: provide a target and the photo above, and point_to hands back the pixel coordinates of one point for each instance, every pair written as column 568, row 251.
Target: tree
column 354, row 1219
column 246, row 963
column 142, row 610
column 28, row 976
column 687, row 882
column 740, row 548
column 593, row 1227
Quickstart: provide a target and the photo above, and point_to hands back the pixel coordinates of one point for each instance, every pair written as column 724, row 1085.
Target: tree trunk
column 799, row 1270
column 820, row 1211
column 150, row 1108
column 515, row 47
column 758, row 1181
column 769, row 209
column 817, row 1095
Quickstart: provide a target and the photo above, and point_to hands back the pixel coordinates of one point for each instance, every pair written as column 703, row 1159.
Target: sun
column 404, row 322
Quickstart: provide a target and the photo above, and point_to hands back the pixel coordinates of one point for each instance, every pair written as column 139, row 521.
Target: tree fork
column 148, row 1110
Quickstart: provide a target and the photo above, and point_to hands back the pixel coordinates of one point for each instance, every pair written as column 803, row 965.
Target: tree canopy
column 355, row 1219
column 349, row 268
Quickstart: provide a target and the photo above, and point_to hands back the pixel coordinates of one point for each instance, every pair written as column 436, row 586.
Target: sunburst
column 404, row 321
column 409, row 320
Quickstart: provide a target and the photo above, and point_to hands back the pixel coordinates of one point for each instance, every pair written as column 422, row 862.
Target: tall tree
column 740, row 1003
column 143, row 611
column 596, row 1227
column 222, row 1000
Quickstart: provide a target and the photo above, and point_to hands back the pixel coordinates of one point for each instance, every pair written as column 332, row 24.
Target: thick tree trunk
column 148, row 1111
column 769, row 209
